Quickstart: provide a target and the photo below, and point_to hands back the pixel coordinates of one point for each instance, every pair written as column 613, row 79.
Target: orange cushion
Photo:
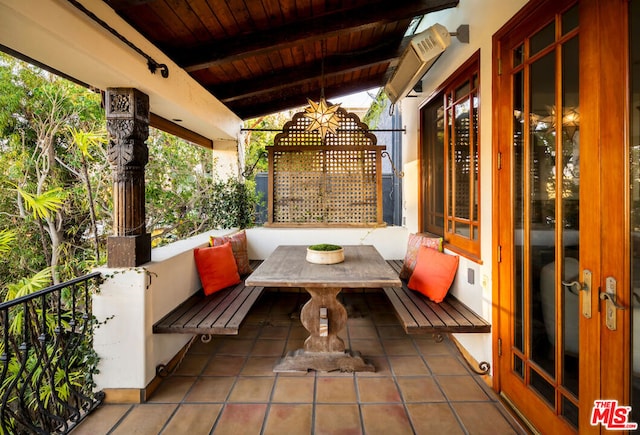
column 239, row 247
column 216, row 267
column 413, row 245
column 434, row 273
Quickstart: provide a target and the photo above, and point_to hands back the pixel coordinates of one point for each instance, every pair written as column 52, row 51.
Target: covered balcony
column 196, row 70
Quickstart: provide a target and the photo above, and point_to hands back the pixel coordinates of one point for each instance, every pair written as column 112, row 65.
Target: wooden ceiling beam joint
column 314, row 29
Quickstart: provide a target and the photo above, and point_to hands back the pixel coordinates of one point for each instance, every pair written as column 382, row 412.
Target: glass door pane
column 542, row 219
column 546, row 174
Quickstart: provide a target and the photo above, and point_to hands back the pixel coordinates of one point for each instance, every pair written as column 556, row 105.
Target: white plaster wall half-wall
column 484, row 17
column 133, row 299
column 390, row 241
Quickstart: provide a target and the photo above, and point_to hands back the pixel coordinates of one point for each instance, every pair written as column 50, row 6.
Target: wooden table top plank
column 363, row 267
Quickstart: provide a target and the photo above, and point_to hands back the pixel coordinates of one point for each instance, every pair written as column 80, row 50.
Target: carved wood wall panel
column 330, row 181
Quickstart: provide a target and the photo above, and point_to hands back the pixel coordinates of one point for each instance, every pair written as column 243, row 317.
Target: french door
column 564, row 228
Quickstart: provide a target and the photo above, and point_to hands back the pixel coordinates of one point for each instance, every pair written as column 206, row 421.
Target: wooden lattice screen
column 335, row 181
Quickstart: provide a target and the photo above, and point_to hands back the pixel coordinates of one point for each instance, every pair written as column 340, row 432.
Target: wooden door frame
column 604, row 143
column 611, row 102
column 590, row 224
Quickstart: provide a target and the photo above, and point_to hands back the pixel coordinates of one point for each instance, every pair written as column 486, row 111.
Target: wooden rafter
column 254, row 107
column 294, row 77
column 344, row 21
column 264, row 56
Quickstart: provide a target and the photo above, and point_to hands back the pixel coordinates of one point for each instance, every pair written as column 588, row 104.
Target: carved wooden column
column 127, row 113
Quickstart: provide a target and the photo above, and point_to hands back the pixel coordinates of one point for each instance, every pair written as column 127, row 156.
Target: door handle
column 611, row 299
column 576, row 287
column 610, row 296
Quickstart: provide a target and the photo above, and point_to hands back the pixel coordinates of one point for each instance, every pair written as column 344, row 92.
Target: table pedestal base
column 302, row 361
column 323, row 316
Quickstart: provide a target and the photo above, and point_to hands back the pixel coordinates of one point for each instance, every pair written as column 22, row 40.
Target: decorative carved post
column 127, row 113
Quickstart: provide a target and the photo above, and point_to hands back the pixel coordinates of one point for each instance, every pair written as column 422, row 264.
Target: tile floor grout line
column 261, row 324
column 121, row 419
column 274, row 316
column 401, row 393
column 391, row 371
column 166, row 423
column 314, row 410
column 451, row 407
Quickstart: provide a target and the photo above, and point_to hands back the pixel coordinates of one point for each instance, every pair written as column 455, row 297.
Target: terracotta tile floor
column 228, row 386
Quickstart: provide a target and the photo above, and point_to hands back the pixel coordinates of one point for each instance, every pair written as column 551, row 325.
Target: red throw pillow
column 434, row 273
column 413, row 244
column 239, row 247
column 216, row 267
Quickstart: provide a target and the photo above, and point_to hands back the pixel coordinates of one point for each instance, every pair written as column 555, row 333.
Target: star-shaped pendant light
column 324, row 118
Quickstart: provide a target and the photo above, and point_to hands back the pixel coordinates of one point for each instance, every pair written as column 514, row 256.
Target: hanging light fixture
column 324, row 117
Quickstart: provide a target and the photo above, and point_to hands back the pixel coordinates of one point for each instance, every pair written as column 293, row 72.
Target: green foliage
column 325, row 247
column 256, row 139
column 43, row 201
column 44, row 204
column 372, row 117
column 27, row 285
column 87, row 140
column 7, row 237
column 50, row 357
column 233, row 204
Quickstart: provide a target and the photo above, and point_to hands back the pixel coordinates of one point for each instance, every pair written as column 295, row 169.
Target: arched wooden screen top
column 335, row 181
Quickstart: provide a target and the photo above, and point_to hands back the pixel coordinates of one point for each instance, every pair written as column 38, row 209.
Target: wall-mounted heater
column 422, row 52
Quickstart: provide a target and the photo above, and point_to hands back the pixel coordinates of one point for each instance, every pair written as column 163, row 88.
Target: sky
column 358, row 100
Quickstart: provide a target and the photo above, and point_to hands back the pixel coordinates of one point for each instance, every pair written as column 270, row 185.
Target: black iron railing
column 47, row 360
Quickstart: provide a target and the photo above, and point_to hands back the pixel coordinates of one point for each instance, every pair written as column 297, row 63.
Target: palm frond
column 7, row 237
column 29, row 285
column 85, row 139
column 45, row 203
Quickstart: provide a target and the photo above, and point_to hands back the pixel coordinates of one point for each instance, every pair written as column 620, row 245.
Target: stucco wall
column 391, row 241
column 484, row 17
column 133, row 299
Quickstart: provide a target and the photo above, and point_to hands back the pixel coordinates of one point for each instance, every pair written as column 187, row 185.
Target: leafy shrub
column 233, row 204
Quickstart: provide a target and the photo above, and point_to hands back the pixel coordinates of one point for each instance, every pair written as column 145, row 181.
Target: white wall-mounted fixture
column 422, row 52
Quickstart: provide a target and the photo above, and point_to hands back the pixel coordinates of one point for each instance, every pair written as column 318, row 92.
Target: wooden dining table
column 323, row 315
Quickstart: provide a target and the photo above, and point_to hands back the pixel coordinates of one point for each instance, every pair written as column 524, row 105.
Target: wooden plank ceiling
column 264, row 56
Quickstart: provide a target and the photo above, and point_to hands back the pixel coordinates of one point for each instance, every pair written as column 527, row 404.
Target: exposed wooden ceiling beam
column 332, row 24
column 177, row 130
column 284, row 79
column 121, row 4
column 254, row 107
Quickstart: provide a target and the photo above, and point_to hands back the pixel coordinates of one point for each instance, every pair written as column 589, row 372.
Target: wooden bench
column 419, row 315
column 220, row 313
